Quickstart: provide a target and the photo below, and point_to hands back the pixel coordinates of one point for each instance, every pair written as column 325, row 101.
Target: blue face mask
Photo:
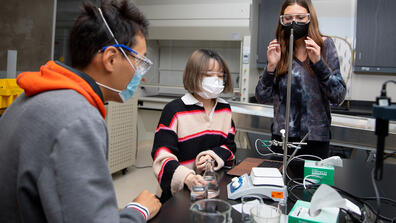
column 129, row 91
column 142, row 66
column 131, row 88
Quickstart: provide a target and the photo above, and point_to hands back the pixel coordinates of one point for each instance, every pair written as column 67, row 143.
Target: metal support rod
column 288, row 96
column 381, row 130
column 301, row 143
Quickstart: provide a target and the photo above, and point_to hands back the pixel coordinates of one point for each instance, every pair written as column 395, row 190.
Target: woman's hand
column 273, row 55
column 200, row 164
column 194, row 180
column 313, row 50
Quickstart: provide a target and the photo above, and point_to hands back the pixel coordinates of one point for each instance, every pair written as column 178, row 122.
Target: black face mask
column 299, row 30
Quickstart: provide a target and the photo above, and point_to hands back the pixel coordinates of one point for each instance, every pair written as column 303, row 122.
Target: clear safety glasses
column 300, row 19
column 143, row 64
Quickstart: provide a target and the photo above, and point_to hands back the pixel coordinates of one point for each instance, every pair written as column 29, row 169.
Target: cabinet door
column 121, row 123
column 375, row 36
column 267, row 21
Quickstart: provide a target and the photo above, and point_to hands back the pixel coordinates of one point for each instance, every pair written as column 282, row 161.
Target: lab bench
column 351, row 132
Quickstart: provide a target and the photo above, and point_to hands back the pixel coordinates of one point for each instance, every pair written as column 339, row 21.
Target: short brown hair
column 198, row 64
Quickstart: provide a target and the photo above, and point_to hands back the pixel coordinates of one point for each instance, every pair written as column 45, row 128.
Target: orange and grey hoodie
column 56, row 76
column 53, row 152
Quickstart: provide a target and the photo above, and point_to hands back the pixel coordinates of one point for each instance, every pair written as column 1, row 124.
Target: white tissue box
column 299, row 214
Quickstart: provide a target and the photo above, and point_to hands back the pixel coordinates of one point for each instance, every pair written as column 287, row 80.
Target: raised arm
column 329, row 74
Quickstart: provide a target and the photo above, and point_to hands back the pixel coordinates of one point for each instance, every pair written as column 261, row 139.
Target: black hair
column 89, row 33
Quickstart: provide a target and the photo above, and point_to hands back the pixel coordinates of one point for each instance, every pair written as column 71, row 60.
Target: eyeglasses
column 301, row 19
column 142, row 64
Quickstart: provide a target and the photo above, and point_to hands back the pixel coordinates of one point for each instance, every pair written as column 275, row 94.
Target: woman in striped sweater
column 196, row 127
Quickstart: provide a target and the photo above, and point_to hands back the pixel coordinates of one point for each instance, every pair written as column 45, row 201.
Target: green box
column 299, row 214
column 325, row 172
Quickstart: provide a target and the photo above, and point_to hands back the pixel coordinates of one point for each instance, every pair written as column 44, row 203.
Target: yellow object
column 9, row 90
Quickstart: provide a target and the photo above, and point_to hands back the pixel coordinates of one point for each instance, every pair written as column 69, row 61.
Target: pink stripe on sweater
column 189, row 112
column 232, row 154
column 159, row 150
column 162, row 169
column 206, row 132
column 227, row 110
column 187, row 162
column 163, row 127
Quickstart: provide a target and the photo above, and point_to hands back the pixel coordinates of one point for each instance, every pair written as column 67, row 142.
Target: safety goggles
column 143, row 64
column 300, row 19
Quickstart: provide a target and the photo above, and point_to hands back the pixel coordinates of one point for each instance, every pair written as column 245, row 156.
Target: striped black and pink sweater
column 184, row 134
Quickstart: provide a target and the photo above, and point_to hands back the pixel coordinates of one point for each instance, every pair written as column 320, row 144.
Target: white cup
column 248, row 202
column 263, row 213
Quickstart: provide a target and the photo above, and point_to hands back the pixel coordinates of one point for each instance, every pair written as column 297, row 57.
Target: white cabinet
column 121, row 125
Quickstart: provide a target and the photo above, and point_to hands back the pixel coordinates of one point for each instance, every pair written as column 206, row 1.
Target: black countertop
column 353, row 177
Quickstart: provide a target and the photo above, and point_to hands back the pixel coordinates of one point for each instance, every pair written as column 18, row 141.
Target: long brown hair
column 313, row 32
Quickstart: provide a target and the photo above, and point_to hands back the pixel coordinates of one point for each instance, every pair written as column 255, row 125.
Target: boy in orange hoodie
column 53, row 155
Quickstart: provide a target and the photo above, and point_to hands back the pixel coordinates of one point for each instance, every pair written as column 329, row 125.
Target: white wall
column 254, row 73
column 338, row 18
column 197, row 20
column 178, row 27
column 170, row 57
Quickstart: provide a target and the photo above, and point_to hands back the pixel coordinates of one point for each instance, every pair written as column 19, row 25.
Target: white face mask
column 212, row 87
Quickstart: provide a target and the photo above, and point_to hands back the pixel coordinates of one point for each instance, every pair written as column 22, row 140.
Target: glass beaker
column 211, row 210
column 282, row 206
column 198, row 191
column 210, row 177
